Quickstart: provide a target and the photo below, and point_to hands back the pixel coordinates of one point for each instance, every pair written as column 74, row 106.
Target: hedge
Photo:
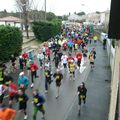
column 10, row 42
column 44, row 30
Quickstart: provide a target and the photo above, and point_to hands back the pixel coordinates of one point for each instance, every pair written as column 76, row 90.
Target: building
column 104, row 17
column 75, row 17
column 93, row 18
column 14, row 21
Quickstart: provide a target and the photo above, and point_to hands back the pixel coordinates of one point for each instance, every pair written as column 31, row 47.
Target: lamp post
column 45, row 9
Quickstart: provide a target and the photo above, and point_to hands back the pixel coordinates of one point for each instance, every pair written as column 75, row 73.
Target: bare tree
column 24, row 7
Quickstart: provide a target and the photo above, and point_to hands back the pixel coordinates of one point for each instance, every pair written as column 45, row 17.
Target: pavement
column 65, row 108
column 98, row 95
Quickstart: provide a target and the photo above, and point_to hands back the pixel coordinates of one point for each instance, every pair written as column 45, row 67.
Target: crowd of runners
column 67, row 52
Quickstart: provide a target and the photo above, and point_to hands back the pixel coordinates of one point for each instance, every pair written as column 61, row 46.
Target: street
column 65, row 108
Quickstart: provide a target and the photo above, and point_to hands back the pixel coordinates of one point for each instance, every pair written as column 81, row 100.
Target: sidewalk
column 98, row 95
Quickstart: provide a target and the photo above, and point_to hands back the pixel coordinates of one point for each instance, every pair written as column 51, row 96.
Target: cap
column 20, row 56
column 57, row 70
column 22, row 73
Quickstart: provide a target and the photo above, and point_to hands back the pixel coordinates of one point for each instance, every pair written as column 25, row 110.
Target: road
column 64, row 108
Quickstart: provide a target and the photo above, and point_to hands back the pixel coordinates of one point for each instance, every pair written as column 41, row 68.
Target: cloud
column 60, row 7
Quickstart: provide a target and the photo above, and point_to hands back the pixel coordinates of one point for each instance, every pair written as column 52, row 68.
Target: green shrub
column 10, row 42
column 44, row 30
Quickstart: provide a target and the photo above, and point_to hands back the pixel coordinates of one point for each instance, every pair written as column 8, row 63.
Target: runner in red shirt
column 12, row 89
column 79, row 41
column 47, row 52
column 64, row 46
column 69, row 59
column 79, row 58
column 25, row 57
column 33, row 68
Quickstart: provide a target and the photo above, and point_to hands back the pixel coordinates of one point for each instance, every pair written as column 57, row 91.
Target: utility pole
column 45, row 9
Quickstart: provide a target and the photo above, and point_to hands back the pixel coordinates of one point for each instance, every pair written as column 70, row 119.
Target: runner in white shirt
column 2, row 91
column 64, row 60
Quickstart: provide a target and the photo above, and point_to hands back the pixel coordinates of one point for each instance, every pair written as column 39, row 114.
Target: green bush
column 44, row 30
column 10, row 42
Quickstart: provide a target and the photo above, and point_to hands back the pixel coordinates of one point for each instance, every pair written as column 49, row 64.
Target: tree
column 3, row 13
column 10, row 42
column 65, row 17
column 24, row 7
column 81, row 13
column 50, row 16
column 44, row 30
column 97, row 12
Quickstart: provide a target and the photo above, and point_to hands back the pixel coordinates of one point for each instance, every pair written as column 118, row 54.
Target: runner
column 91, row 59
column 47, row 79
column 82, row 92
column 104, row 42
column 12, row 90
column 21, row 62
column 13, row 62
column 79, row 42
column 40, row 57
column 7, row 113
column 2, row 75
column 25, row 58
column 7, row 79
column 95, row 38
column 69, row 59
column 33, row 68
column 94, row 52
column 47, row 52
column 85, row 51
column 23, row 81
column 56, row 60
column 22, row 99
column 64, row 46
column 38, row 101
column 47, row 64
column 72, row 68
column 31, row 55
column 28, row 66
column 2, row 92
column 75, row 47
column 64, row 60
column 79, row 58
column 58, row 77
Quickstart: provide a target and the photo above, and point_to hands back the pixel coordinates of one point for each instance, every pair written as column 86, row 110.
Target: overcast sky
column 61, row 7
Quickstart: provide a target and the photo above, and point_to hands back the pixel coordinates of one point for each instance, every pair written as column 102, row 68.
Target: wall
column 114, row 57
column 110, row 51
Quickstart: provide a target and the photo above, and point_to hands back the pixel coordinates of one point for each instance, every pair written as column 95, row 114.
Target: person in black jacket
column 58, row 77
column 22, row 99
column 82, row 92
column 47, row 78
column 38, row 101
column 56, row 60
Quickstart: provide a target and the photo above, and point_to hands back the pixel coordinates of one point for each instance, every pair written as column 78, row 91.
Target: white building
column 104, row 17
column 93, row 18
column 12, row 21
column 75, row 17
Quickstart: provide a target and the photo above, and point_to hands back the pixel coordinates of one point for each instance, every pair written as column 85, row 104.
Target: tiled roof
column 11, row 19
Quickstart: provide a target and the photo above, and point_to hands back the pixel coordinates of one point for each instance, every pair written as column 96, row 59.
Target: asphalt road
column 65, row 107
